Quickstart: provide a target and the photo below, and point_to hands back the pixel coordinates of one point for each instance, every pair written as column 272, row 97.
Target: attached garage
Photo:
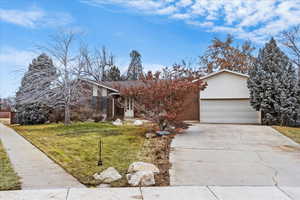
column 226, row 99
column 227, row 111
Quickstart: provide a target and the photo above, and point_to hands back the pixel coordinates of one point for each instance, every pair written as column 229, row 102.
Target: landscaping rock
column 118, row 122
column 138, row 122
column 142, row 166
column 141, row 178
column 150, row 135
column 108, row 176
column 161, row 133
column 104, row 185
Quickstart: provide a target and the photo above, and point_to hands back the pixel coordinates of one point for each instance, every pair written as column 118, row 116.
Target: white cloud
column 167, row 10
column 34, row 18
column 14, row 58
column 184, row 3
column 181, row 16
column 256, row 20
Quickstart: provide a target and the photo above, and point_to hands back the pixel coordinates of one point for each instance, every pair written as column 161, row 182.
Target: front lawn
column 291, row 132
column 75, row 147
column 8, row 178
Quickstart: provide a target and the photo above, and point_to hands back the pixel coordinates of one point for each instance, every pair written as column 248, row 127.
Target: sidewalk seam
column 284, row 192
column 213, row 193
column 141, row 191
column 67, row 193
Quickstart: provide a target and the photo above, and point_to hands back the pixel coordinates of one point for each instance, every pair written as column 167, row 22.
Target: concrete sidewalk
column 36, row 170
column 159, row 193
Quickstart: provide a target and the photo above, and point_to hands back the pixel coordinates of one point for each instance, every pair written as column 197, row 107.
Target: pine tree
column 34, row 87
column 113, row 74
column 135, row 69
column 272, row 84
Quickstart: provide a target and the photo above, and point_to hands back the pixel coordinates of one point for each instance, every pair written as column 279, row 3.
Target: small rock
column 138, row 122
column 179, row 130
column 107, row 176
column 150, row 135
column 118, row 122
column 142, row 166
column 90, row 120
column 141, row 178
column 103, row 186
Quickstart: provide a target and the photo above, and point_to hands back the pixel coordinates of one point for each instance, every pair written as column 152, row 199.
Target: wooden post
column 113, row 107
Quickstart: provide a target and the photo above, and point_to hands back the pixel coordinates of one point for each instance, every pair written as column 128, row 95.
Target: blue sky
column 163, row 31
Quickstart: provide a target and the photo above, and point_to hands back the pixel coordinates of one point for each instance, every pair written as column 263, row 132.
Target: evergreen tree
column 113, row 74
column 272, row 84
column 34, row 88
column 135, row 69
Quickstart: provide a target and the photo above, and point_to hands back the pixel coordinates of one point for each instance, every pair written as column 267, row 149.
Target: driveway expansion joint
column 276, row 174
column 285, row 193
column 212, row 192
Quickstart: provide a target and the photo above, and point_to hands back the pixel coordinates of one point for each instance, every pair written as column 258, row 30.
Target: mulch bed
column 159, row 152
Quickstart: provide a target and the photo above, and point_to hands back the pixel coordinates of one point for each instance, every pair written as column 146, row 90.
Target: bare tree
column 96, row 63
column 66, row 88
column 182, row 69
column 291, row 40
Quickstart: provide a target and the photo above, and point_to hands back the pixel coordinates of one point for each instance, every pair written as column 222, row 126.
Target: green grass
column 8, row 178
column 291, row 132
column 75, row 147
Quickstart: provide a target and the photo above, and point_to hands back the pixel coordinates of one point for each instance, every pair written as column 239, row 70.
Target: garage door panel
column 227, row 111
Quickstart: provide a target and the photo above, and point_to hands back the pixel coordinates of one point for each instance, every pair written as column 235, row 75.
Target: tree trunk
column 67, row 115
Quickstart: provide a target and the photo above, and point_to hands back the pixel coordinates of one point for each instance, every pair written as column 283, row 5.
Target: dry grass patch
column 8, row 178
column 291, row 132
column 75, row 147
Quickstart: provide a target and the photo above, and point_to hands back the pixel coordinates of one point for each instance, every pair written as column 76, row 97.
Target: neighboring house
column 225, row 100
column 6, row 114
column 5, row 117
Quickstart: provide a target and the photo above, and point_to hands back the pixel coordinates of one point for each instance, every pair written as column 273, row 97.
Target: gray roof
column 123, row 84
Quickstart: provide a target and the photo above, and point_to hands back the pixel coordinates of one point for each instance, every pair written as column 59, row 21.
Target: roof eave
column 222, row 71
column 101, row 85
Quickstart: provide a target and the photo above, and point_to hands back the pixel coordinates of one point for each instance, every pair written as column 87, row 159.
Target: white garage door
column 227, row 111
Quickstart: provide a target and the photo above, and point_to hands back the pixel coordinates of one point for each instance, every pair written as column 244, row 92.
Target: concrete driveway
column 234, row 155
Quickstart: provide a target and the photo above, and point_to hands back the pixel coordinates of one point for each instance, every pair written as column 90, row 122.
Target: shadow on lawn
column 75, row 133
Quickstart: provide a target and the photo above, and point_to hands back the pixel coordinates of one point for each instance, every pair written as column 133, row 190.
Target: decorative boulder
column 142, row 166
column 108, row 176
column 138, row 122
column 141, row 178
column 118, row 122
column 150, row 135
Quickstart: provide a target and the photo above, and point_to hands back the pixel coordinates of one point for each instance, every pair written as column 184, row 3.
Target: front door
column 129, row 108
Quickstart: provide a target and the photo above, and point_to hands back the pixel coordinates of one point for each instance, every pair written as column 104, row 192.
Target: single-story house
column 226, row 99
column 7, row 116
